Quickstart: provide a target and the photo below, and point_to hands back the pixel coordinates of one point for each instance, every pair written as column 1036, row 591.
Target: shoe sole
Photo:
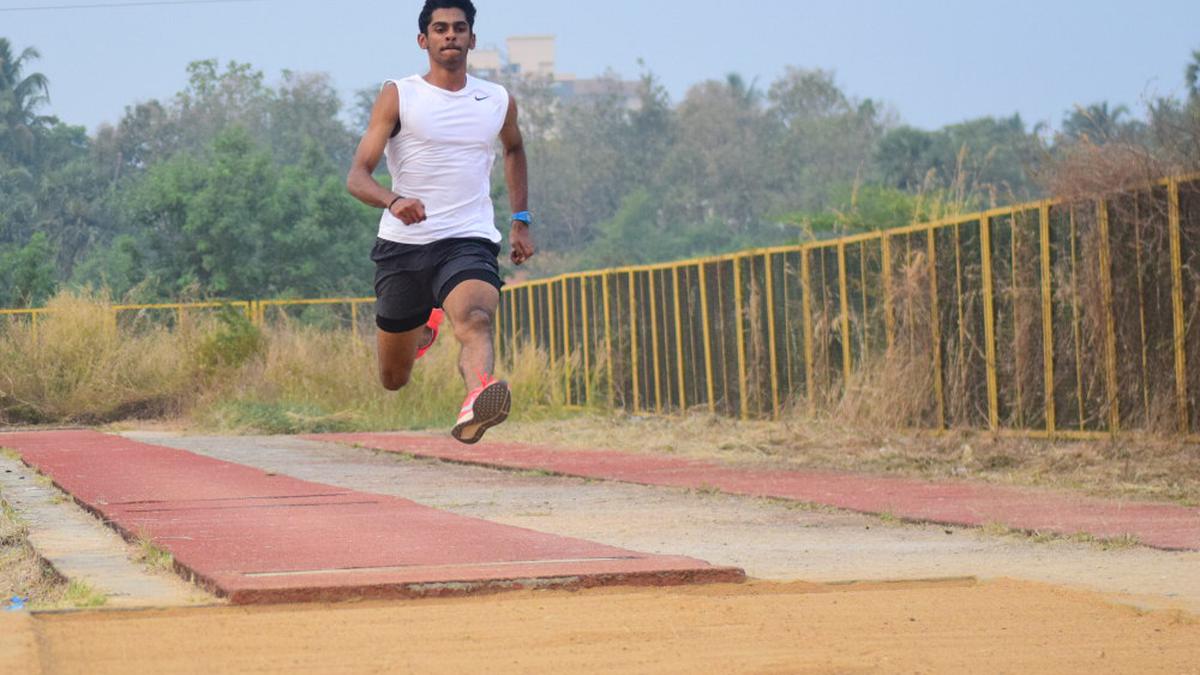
column 491, row 408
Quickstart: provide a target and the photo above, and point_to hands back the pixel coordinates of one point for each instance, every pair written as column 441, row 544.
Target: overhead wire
column 109, row 5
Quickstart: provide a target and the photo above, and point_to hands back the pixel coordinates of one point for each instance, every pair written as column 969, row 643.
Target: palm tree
column 1097, row 122
column 20, row 97
column 1192, row 75
column 748, row 96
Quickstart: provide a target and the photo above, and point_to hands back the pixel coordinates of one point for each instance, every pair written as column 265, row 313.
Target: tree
column 806, row 94
column 27, row 274
column 717, row 169
column 1099, row 123
column 20, row 97
column 1191, row 75
column 986, row 157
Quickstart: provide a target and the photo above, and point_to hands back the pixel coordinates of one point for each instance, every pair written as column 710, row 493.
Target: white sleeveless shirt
column 443, row 156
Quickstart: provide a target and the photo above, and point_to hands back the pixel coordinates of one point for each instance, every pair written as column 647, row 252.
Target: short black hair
column 426, row 16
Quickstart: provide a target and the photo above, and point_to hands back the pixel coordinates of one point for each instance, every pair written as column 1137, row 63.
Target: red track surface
column 259, row 537
column 1162, row 526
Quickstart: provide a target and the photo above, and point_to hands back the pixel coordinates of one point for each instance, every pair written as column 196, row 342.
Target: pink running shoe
column 435, row 321
column 485, row 407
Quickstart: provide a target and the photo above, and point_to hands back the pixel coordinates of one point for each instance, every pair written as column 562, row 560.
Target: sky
column 934, row 62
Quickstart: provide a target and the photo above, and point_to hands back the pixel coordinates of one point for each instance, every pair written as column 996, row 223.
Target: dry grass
column 1140, row 467
column 315, row 381
column 75, row 366
column 220, row 372
column 22, row 572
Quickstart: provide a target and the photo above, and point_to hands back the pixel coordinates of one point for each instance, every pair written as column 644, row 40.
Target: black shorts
column 412, row 279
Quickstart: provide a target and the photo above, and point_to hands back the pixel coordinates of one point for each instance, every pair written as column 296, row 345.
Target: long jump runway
column 256, row 537
column 1158, row 525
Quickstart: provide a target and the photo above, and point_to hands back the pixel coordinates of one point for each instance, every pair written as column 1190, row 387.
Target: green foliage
column 27, row 275
column 861, row 209
column 21, row 95
column 993, row 153
column 234, row 186
column 80, row 594
column 235, row 343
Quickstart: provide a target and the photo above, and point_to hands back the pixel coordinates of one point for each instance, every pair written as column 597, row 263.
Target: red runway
column 257, row 537
column 1164, row 526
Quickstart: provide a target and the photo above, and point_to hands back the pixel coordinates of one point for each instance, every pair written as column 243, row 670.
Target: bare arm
column 359, row 181
column 517, row 177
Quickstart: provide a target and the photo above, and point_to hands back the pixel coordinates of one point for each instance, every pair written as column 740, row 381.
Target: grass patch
column 994, row 529
column 1123, row 542
column 889, row 518
column 81, row 595
column 154, row 556
column 279, row 417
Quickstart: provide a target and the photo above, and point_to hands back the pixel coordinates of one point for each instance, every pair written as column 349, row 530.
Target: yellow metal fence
column 1049, row 318
column 1046, row 318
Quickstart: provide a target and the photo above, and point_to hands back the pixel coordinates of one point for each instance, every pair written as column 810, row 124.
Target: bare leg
column 471, row 307
column 397, row 351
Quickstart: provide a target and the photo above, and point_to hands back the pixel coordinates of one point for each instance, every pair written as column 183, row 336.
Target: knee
column 394, row 380
column 476, row 323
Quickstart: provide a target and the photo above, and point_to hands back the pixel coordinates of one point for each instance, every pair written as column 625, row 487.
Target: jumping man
column 438, row 243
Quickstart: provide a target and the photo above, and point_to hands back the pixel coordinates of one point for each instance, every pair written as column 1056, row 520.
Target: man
column 438, row 243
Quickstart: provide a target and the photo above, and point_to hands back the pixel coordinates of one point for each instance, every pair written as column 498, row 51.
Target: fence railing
column 1070, row 319
column 1051, row 318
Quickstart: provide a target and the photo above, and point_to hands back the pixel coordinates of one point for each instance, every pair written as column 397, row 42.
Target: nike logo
column 482, row 98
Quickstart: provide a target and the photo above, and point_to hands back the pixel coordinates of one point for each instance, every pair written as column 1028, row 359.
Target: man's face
column 448, row 38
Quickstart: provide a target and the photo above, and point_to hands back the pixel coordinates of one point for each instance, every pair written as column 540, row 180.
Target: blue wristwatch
column 523, row 216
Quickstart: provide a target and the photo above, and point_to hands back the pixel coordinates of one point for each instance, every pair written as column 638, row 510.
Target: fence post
column 679, row 340
column 566, row 337
column 706, row 326
column 844, row 302
column 551, row 324
column 989, row 321
column 806, row 304
column 1110, row 328
column 958, row 291
column 740, row 323
column 513, row 327
column 1076, row 327
column 533, row 336
column 653, row 292
column 769, row 269
column 935, row 326
column 585, row 318
column 1019, row 366
column 889, row 321
column 612, row 385
column 1137, row 243
column 1047, row 317
column 497, row 328
column 1181, row 383
column 633, row 341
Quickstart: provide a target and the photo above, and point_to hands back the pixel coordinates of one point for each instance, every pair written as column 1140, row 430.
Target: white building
column 535, row 56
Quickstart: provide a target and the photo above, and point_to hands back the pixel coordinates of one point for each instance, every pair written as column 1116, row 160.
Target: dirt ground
column 1002, row 626
column 833, row 592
